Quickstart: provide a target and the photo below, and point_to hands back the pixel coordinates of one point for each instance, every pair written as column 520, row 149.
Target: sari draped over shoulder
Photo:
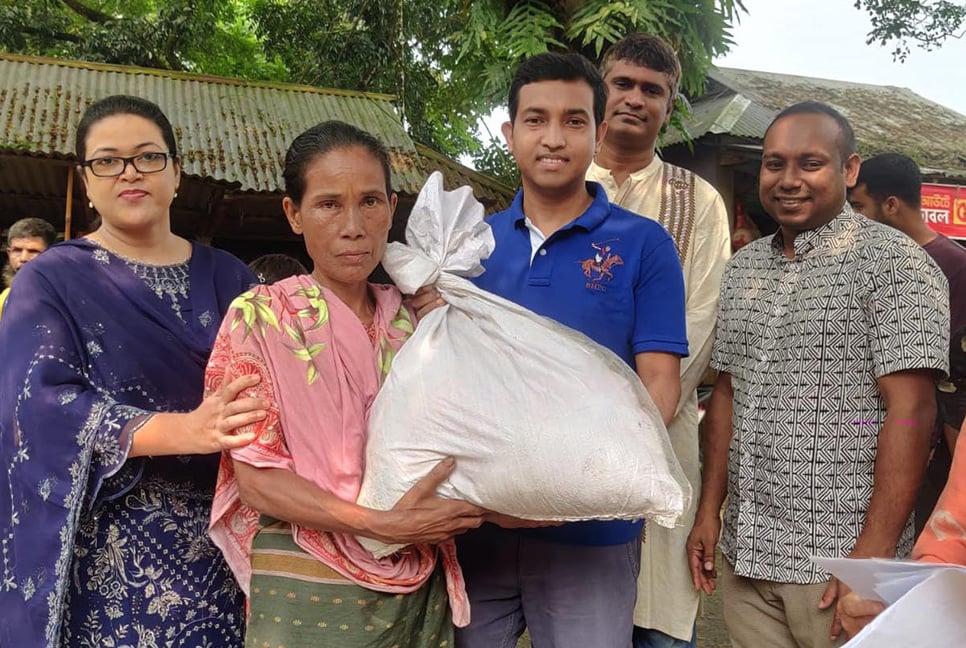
column 321, row 372
column 90, row 351
column 943, row 540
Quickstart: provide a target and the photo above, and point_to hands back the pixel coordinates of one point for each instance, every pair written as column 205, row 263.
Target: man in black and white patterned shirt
column 831, row 335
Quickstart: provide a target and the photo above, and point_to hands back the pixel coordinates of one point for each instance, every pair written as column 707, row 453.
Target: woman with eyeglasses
column 109, row 451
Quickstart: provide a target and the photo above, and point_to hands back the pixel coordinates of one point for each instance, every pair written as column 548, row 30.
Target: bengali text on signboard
column 944, row 209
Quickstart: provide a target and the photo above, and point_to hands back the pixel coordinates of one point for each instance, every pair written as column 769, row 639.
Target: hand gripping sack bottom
column 544, row 423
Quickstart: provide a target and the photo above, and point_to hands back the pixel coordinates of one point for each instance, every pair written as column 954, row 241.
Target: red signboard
column 944, row 209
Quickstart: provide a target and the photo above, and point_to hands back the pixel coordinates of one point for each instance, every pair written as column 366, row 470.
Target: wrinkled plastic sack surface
column 544, row 423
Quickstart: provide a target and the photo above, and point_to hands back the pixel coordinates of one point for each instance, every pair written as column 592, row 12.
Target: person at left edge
column 27, row 239
column 109, row 451
column 565, row 252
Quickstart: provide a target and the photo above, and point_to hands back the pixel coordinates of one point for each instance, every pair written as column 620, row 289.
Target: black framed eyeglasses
column 110, row 166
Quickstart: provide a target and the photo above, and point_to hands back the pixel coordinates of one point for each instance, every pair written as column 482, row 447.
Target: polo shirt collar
column 822, row 237
column 593, row 216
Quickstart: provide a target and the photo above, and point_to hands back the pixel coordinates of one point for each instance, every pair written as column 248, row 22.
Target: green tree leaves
column 449, row 62
column 926, row 23
column 208, row 36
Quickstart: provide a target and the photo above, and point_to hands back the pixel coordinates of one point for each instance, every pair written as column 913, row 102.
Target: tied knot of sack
column 446, row 233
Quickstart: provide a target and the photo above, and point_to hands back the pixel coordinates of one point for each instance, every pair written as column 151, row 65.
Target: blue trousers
column 568, row 596
column 645, row 638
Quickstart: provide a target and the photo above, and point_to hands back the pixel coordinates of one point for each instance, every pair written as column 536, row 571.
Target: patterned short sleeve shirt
column 805, row 340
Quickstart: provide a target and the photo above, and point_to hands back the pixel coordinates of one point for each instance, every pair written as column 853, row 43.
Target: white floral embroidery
column 163, row 604
column 94, row 348
column 46, row 486
column 117, row 563
column 205, row 318
column 108, row 450
column 146, row 637
column 101, row 256
column 22, row 454
column 169, row 281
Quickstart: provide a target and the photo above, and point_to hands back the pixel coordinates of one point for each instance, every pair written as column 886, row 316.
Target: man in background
column 26, row 240
column 642, row 73
column 889, row 190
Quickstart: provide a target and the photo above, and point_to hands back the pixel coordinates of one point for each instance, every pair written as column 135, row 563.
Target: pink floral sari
column 321, row 369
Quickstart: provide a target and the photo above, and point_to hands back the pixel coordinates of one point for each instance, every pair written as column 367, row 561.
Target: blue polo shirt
column 612, row 275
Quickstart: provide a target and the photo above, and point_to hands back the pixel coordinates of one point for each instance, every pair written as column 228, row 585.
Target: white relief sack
column 544, row 423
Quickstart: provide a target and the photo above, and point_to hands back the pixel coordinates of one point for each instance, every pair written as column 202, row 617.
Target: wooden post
column 70, row 202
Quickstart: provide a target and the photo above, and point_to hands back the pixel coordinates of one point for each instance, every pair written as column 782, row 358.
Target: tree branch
column 174, row 63
column 86, row 12
column 42, row 33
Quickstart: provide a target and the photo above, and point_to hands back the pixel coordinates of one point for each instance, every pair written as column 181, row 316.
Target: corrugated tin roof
column 229, row 130
column 885, row 118
column 722, row 112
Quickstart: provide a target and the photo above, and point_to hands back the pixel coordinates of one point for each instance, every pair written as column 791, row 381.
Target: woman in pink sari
column 284, row 513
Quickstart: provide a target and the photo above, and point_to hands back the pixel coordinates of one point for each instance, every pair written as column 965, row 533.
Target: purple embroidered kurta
column 97, row 549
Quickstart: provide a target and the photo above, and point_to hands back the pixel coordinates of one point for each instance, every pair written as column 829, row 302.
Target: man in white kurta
column 642, row 73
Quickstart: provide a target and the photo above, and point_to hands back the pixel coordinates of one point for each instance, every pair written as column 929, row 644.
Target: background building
column 232, row 134
column 728, row 122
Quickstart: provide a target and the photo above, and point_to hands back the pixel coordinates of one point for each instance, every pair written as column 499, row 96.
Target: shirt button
column 543, row 252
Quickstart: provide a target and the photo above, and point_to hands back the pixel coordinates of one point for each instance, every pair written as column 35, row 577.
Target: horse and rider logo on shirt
column 599, row 267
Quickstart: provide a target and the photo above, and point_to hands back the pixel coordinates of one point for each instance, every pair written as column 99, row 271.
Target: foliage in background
column 495, row 160
column 205, row 36
column 399, row 47
column 924, row 23
column 498, row 35
column 449, row 62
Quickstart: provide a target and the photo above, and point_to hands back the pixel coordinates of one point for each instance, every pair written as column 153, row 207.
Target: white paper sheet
column 930, row 615
column 881, row 579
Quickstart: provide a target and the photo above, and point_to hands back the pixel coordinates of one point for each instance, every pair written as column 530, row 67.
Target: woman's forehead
column 355, row 165
column 123, row 131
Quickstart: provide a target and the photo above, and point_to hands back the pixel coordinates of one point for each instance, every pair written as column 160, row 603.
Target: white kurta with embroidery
column 666, row 599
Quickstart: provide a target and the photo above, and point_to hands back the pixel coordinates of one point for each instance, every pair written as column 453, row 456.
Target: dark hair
column 122, row 105
column 892, row 174
column 30, row 228
column 553, row 66
column 270, row 268
column 645, row 50
column 846, row 134
column 321, row 139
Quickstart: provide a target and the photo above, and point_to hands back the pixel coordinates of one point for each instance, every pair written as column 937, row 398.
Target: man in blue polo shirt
column 563, row 251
